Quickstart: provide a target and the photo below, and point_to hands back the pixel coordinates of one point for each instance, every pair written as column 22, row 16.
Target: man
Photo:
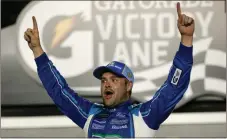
column 118, row 117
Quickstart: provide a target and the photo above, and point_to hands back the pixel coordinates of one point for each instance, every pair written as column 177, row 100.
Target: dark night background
column 10, row 11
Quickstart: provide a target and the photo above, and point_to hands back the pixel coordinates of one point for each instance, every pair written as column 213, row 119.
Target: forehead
column 109, row 75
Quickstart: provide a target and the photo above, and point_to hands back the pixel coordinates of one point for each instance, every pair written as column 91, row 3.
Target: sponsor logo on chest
column 119, row 127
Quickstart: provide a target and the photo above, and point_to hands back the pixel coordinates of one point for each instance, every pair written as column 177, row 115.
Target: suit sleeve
column 68, row 101
column 157, row 110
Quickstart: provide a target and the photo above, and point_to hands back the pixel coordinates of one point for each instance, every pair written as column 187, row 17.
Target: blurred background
column 78, row 36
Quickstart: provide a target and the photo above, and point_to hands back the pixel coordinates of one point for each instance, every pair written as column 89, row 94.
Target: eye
column 103, row 81
column 114, row 80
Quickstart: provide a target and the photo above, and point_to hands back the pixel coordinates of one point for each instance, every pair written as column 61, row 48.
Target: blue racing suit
column 126, row 120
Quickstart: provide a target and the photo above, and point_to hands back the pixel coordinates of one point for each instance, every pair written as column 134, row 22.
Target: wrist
column 187, row 40
column 37, row 51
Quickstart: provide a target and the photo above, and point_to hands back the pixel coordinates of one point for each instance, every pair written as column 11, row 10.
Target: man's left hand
column 185, row 23
column 186, row 26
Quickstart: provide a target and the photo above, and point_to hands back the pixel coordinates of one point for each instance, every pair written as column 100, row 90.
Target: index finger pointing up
column 35, row 26
column 178, row 10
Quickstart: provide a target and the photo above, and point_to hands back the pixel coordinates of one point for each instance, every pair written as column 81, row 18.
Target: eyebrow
column 113, row 76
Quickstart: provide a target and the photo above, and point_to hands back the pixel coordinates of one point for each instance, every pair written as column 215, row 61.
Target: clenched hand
column 186, row 26
column 32, row 38
column 185, row 23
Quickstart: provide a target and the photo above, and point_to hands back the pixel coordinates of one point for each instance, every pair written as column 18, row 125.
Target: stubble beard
column 109, row 103
column 114, row 102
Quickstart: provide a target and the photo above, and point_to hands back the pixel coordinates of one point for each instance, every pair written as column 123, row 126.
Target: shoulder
column 96, row 107
column 134, row 108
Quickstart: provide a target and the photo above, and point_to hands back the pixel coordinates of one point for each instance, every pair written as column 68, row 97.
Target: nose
column 107, row 84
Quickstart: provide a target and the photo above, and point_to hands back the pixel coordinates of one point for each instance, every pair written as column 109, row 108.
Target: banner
column 81, row 35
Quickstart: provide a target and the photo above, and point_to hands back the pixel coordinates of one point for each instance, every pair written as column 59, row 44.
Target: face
column 114, row 89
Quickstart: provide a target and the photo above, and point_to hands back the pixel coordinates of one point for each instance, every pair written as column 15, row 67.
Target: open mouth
column 108, row 94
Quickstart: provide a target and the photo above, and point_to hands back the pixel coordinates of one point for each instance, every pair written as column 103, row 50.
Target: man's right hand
column 32, row 37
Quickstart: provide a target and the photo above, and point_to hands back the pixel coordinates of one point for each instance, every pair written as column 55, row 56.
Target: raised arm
column 157, row 110
column 68, row 101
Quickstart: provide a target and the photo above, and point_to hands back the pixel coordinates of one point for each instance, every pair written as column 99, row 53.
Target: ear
column 129, row 86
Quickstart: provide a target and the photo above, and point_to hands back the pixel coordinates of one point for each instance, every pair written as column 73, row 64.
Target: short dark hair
column 126, row 81
column 130, row 92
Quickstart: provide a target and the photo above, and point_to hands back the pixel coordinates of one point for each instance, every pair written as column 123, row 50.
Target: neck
column 118, row 104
